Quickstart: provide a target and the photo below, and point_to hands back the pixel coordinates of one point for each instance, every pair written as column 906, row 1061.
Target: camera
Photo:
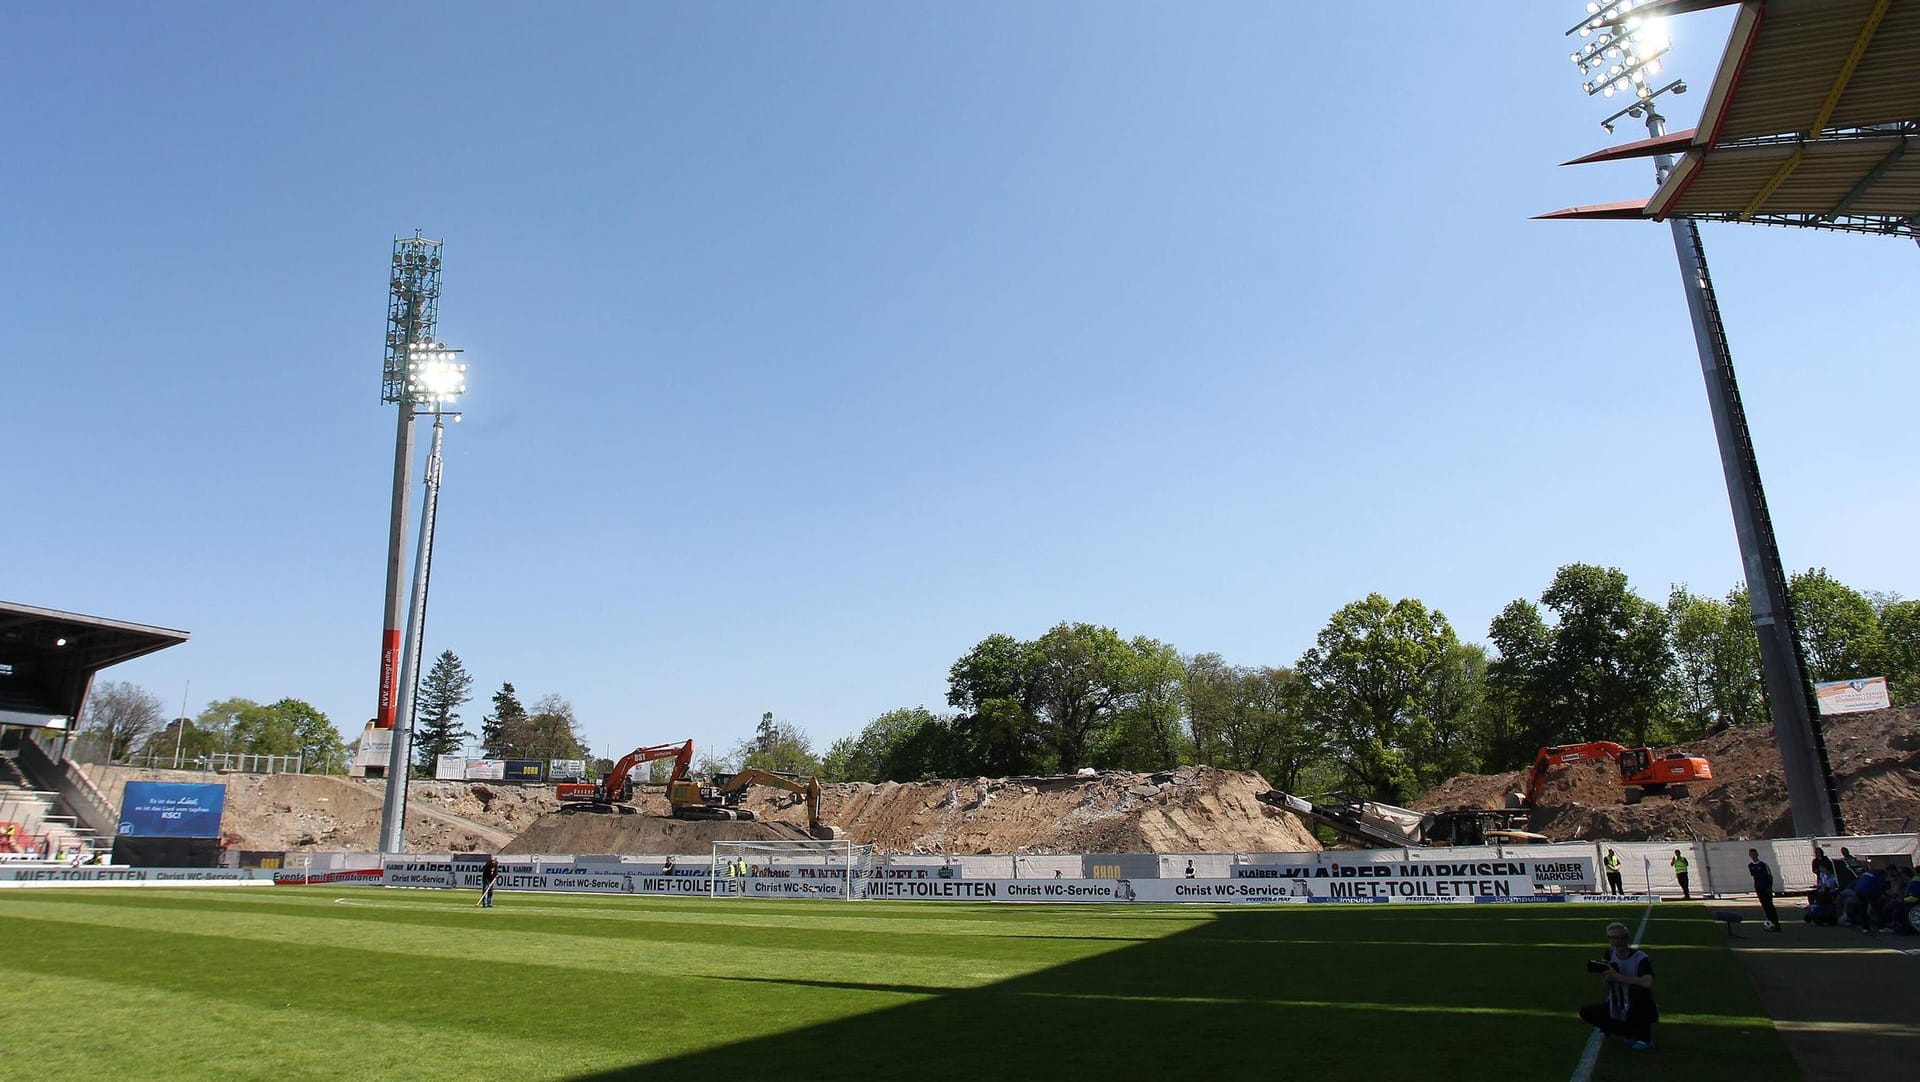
column 1594, row 965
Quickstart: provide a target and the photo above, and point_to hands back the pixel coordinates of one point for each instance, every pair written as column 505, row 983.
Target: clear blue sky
column 811, row 344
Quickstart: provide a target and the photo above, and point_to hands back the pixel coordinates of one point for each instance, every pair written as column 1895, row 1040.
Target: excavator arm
column 809, row 787
column 616, row 788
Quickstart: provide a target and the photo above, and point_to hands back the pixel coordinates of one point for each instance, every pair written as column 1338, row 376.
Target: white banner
column 108, row 875
column 566, row 769
column 450, row 768
column 1852, row 696
column 486, row 769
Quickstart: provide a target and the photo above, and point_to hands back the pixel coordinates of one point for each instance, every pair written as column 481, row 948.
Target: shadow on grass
column 1250, row 994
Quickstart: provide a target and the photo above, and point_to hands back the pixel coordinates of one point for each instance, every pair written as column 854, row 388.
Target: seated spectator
column 1823, row 902
column 1867, row 909
column 1903, row 905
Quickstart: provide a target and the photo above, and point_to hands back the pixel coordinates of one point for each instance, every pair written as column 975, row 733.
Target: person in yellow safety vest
column 1680, row 873
column 1613, row 873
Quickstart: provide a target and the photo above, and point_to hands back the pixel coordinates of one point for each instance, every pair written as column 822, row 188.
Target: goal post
column 792, row 869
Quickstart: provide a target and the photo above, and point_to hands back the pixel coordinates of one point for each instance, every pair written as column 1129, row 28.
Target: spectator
column 1822, row 863
column 1762, row 874
column 1868, row 907
column 1189, row 869
column 1680, row 873
column 1613, row 873
column 1847, row 869
column 1629, row 1010
column 668, row 868
column 1904, row 905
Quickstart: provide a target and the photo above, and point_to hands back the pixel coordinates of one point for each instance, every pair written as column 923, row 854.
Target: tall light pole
column 1622, row 52
column 435, row 380
column 413, row 312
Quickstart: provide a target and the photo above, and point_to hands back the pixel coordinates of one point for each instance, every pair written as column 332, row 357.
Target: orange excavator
column 614, row 793
column 1640, row 773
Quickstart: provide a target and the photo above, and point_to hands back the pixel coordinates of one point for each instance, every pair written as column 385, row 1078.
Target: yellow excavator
column 720, row 799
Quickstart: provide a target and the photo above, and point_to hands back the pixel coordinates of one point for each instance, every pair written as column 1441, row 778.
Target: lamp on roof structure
column 435, row 379
column 1622, row 51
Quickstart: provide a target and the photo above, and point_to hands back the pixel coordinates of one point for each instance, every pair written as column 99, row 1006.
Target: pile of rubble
column 1876, row 765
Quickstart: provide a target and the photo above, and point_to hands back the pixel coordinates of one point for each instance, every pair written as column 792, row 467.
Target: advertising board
column 170, row 809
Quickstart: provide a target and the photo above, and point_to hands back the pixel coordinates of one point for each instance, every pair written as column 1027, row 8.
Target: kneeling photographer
column 1629, row 1010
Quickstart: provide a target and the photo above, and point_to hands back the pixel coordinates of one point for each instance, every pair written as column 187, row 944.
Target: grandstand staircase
column 33, row 823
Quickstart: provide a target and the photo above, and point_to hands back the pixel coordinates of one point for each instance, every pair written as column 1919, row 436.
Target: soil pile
column 1876, row 766
column 645, row 832
column 1189, row 810
column 292, row 812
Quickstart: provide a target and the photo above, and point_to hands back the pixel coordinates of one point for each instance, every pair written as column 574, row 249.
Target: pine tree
column 500, row 729
column 442, row 693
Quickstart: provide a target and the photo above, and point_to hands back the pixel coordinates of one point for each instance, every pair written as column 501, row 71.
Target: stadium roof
column 1810, row 121
column 48, row 658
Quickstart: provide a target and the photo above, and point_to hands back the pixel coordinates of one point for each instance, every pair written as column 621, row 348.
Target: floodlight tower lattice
column 1622, row 52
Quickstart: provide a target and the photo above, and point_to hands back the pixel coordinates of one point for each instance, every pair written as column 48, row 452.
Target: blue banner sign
column 166, row 809
column 525, row 770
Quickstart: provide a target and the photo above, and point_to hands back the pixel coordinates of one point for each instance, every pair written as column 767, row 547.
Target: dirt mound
column 1189, row 810
column 293, row 812
column 591, row 832
column 1876, row 766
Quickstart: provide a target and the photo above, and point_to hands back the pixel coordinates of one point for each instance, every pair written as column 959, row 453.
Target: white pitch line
column 1583, row 1070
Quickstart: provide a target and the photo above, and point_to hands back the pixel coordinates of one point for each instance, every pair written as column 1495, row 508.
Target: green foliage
column 437, row 728
column 508, row 717
column 997, row 731
column 1250, row 719
column 777, row 746
column 1377, row 677
column 286, row 727
column 1839, row 629
column 1146, row 734
column 909, row 744
column 1900, row 650
column 1602, row 671
column 549, row 732
column 1716, row 662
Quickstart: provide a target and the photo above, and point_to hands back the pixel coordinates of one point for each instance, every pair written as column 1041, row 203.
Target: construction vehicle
column 1640, row 773
column 1390, row 826
column 614, row 793
column 721, row 799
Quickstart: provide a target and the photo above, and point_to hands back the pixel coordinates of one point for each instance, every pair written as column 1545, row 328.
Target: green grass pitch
column 330, row 983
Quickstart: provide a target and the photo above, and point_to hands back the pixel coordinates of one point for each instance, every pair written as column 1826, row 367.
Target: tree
column 1900, row 650
column 118, row 717
column 997, row 732
column 439, row 732
column 1372, row 679
column 508, row 716
column 1519, row 701
column 1839, row 629
column 315, row 739
column 1716, row 662
column 1250, row 719
column 549, row 732
column 1601, row 671
column 1079, row 681
column 910, row 744
column 781, row 747
column 1146, row 732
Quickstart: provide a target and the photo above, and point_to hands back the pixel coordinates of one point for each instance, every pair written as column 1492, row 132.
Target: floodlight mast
column 413, row 310
column 1626, row 51
column 435, row 379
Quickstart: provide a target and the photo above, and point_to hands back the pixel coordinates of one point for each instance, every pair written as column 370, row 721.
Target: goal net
column 792, row 869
